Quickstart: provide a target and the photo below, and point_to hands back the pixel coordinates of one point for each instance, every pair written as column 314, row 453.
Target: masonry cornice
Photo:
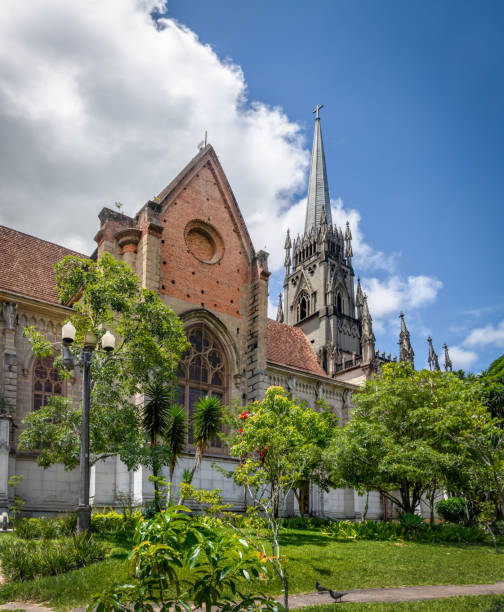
column 271, row 365
column 35, row 305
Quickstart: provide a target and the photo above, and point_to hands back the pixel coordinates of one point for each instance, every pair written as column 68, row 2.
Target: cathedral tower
column 319, row 293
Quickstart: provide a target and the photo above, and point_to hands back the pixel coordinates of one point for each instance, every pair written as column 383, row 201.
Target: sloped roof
column 26, row 264
column 288, row 346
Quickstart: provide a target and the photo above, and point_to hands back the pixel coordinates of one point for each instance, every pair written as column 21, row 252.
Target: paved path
column 416, row 593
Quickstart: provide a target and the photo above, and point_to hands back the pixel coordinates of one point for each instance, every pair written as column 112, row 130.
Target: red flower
column 244, row 415
column 240, row 430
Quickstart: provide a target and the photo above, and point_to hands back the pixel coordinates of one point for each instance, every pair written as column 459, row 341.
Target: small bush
column 412, row 522
column 112, row 522
column 381, row 530
column 46, row 529
column 27, row 559
column 305, row 522
column 453, row 510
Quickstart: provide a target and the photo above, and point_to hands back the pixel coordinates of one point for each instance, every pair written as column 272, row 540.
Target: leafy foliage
column 46, row 529
column 106, row 295
column 456, row 510
column 395, row 440
column 26, row 559
column 112, row 522
column 171, row 547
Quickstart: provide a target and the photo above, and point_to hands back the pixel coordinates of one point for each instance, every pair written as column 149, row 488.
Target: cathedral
column 190, row 244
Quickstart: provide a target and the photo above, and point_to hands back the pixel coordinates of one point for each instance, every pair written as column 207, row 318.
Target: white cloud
column 461, row 358
column 97, row 104
column 489, row 334
column 390, row 296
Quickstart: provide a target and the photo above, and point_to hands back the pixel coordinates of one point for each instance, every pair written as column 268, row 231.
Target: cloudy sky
column 106, row 101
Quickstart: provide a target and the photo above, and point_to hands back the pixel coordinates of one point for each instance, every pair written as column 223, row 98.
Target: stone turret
column 406, row 352
column 367, row 338
column 280, row 314
column 433, row 358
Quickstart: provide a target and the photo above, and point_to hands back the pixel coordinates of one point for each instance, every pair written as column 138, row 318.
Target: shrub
column 46, row 529
column 381, row 530
column 27, row 559
column 453, row 510
column 112, row 522
column 412, row 522
column 178, row 554
column 305, row 522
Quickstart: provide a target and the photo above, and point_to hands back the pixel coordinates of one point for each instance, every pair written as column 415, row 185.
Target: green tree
column 106, row 295
column 279, row 446
column 492, row 383
column 393, row 443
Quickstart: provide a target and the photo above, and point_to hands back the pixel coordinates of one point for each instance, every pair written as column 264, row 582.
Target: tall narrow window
column 46, row 381
column 339, row 304
column 201, row 372
column 303, row 306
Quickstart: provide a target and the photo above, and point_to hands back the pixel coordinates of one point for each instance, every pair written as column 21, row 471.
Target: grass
column 312, row 556
column 486, row 603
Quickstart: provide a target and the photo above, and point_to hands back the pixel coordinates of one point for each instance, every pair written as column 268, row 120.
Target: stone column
column 9, row 313
column 5, row 424
column 127, row 241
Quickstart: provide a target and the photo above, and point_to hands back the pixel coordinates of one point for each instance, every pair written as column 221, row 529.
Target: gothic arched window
column 46, row 381
column 339, row 304
column 201, row 372
column 303, row 306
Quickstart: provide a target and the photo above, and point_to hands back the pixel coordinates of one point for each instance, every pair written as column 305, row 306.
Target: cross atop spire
column 318, row 189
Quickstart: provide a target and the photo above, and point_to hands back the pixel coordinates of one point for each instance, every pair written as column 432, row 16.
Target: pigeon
column 320, row 588
column 336, row 595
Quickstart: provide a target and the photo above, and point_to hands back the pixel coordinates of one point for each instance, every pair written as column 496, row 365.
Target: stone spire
column 318, row 190
column 280, row 314
column 406, row 352
column 348, row 243
column 287, row 247
column 433, row 358
column 359, row 297
column 367, row 338
column 447, row 361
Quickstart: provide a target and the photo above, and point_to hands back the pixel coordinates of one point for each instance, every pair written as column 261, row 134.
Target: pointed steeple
column 318, row 190
column 447, row 361
column 406, row 352
column 280, row 314
column 433, row 358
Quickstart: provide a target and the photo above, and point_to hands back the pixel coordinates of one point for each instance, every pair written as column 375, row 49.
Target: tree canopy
column 106, row 295
column 394, row 443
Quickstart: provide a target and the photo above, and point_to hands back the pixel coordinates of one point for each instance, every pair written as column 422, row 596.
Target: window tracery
column 303, row 306
column 201, row 372
column 46, row 381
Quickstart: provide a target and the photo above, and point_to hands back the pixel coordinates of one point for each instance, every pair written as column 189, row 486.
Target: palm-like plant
column 207, row 421
column 174, row 437
column 155, row 421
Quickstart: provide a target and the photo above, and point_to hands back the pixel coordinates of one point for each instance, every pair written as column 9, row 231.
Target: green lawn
column 312, row 556
column 486, row 603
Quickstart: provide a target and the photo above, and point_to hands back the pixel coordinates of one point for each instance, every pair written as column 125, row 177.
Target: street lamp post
column 108, row 342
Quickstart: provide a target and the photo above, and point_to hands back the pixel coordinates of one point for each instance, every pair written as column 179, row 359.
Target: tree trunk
column 366, row 508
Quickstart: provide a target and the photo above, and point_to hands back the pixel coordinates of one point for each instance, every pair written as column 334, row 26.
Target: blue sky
column 413, row 131
column 112, row 108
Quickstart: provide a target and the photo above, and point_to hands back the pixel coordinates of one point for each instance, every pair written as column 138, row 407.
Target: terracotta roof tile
column 26, row 264
column 290, row 347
